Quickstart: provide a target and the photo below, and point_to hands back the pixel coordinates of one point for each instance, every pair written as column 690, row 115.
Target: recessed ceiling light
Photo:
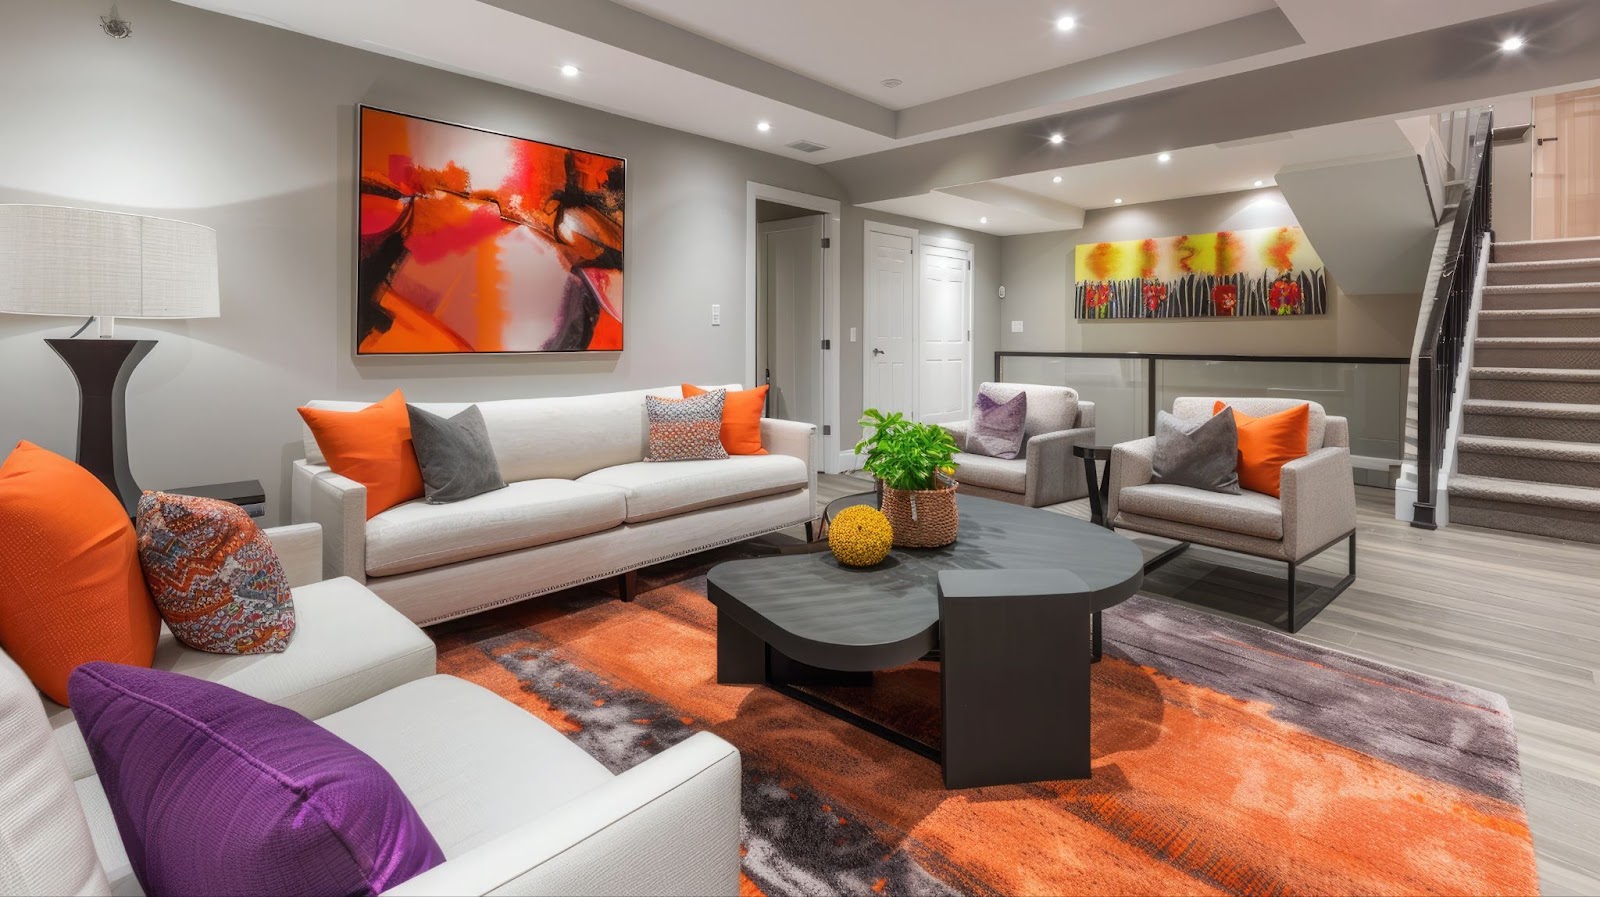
column 763, row 127
column 1066, row 23
column 891, row 83
column 1513, row 43
column 571, row 71
column 984, row 220
column 1260, row 182
column 1057, row 139
column 1118, row 200
column 1056, row 179
column 1164, row 157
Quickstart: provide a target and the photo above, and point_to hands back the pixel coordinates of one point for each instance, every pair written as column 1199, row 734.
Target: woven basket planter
column 925, row 518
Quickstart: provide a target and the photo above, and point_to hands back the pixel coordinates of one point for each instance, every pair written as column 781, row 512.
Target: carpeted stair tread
column 1569, row 375
column 1554, row 495
column 1546, row 250
column 1532, row 409
column 1502, row 314
column 1538, row 449
column 1502, row 288
column 1539, row 342
column 1545, row 264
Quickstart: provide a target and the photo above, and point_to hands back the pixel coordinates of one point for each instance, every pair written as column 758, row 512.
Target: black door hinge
column 827, row 344
column 827, row 243
column 827, row 430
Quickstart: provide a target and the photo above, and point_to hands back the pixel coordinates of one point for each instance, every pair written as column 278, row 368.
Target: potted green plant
column 915, row 467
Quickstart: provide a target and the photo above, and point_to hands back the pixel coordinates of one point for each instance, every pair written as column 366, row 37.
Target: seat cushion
column 217, row 792
column 1005, row 475
column 658, row 489
column 348, row 645
column 1248, row 513
column 417, row 535
column 474, row 765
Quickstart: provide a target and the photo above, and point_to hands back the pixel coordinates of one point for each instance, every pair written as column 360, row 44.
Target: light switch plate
column 1016, row 326
column 852, row 334
column 716, row 316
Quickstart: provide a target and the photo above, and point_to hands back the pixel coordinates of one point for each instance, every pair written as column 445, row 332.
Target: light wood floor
column 1515, row 614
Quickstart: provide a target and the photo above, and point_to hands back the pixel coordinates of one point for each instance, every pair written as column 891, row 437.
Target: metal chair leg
column 1292, row 627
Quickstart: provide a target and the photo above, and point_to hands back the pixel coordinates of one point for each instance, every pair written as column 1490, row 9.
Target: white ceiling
column 1195, row 171
column 938, row 48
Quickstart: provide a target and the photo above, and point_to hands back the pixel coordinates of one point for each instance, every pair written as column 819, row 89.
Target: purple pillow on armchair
column 997, row 426
column 216, row 792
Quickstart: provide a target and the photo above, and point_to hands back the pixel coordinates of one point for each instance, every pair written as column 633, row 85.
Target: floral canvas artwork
column 1228, row 274
column 476, row 242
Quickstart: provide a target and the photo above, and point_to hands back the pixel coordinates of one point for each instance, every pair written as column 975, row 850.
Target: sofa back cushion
column 1201, row 406
column 562, row 437
column 45, row 846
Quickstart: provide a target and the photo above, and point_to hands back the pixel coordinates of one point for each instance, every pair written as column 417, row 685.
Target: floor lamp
column 105, row 265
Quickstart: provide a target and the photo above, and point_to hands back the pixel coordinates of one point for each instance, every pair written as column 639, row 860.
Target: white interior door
column 944, row 332
column 789, row 317
column 890, row 338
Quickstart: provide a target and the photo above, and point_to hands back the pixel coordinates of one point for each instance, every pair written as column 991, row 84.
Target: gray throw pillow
column 997, row 427
column 1199, row 452
column 454, row 453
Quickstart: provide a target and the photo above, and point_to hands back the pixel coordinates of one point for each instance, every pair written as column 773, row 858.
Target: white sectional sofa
column 581, row 504
column 517, row 807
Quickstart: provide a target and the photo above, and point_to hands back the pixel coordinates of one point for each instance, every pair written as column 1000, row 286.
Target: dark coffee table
column 1011, row 623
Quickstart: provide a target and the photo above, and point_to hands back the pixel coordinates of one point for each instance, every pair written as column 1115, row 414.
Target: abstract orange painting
column 476, row 242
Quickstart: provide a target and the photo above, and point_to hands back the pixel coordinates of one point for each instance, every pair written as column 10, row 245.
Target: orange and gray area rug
column 1227, row 759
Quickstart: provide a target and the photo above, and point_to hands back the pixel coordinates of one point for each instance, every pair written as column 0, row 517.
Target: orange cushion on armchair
column 1268, row 443
column 71, row 590
column 371, row 446
column 741, row 418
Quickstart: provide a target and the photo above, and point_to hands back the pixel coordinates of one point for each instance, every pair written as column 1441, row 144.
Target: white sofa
column 581, row 505
column 516, row 807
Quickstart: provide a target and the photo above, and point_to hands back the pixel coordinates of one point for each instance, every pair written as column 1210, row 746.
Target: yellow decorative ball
column 860, row 536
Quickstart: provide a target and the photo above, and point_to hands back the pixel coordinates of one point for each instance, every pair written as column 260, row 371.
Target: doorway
column 792, row 309
column 918, row 299
column 1566, row 165
column 789, row 310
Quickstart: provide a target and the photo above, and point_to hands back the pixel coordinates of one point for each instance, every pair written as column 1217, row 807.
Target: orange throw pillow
column 741, row 418
column 1268, row 443
column 71, row 590
column 373, row 447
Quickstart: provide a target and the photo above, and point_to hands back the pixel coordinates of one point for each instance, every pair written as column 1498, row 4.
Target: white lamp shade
column 60, row 261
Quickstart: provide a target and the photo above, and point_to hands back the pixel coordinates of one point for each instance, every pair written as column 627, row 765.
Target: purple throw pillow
column 216, row 792
column 997, row 426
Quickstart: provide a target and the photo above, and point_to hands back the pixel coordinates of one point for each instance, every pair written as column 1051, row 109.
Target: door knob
column 877, row 351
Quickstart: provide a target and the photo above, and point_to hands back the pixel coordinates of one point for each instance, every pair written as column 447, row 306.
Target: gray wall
column 248, row 129
column 1037, row 271
column 986, row 267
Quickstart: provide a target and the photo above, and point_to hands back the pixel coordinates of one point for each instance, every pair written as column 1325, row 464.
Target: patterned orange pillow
column 686, row 429
column 213, row 575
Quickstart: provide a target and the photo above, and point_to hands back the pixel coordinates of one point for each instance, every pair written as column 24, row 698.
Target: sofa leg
column 811, row 531
column 628, row 585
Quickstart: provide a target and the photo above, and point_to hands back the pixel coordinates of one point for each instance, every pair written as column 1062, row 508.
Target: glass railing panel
column 1117, row 387
column 1370, row 395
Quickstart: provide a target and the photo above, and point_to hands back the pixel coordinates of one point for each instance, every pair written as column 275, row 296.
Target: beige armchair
column 1045, row 472
column 1315, row 511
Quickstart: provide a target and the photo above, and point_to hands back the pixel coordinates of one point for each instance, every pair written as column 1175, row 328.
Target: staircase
column 1528, row 457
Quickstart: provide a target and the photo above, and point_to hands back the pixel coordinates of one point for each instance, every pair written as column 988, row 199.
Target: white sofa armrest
column 668, row 826
column 958, row 431
column 1131, row 465
column 1054, row 476
column 1318, row 496
column 299, row 549
column 796, row 439
column 339, row 504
